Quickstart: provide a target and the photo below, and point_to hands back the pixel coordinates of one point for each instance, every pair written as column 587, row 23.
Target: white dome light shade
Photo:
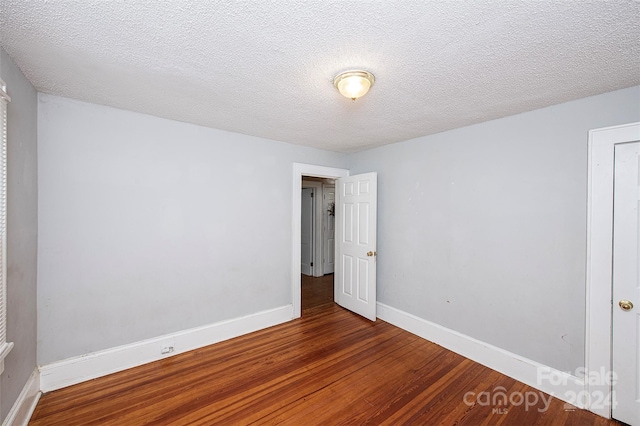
column 354, row 84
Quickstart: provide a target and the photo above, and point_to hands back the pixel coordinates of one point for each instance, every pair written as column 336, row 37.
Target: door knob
column 626, row 305
column 371, row 253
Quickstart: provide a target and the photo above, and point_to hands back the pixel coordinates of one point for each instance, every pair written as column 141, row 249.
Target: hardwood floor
column 316, row 292
column 330, row 367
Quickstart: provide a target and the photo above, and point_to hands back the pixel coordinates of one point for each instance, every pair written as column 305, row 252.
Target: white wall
column 22, row 231
column 150, row 226
column 483, row 229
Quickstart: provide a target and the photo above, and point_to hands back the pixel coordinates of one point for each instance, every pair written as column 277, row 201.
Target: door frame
column 600, row 257
column 299, row 170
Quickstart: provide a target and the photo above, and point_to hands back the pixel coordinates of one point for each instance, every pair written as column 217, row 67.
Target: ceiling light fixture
column 354, row 84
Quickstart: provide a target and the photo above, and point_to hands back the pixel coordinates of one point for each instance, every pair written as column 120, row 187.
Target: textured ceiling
column 265, row 68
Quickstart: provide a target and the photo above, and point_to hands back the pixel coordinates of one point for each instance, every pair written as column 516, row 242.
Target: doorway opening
column 317, row 245
column 308, row 171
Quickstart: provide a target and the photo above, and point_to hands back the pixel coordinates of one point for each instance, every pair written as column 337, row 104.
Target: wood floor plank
column 346, row 392
column 329, row 367
column 288, row 385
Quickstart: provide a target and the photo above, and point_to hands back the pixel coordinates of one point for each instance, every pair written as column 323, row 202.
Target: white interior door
column 626, row 284
column 306, row 232
column 329, row 228
column 356, row 214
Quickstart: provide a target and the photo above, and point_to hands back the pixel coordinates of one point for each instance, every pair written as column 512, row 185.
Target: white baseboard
column 74, row 370
column 22, row 409
column 71, row 371
column 564, row 386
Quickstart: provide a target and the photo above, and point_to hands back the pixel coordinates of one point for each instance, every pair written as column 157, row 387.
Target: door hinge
column 311, row 263
column 312, row 195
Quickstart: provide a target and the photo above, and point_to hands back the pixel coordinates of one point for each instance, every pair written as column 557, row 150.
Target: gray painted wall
column 483, row 229
column 149, row 226
column 22, row 193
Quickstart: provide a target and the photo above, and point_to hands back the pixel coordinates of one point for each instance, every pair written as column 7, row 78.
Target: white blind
column 4, row 346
